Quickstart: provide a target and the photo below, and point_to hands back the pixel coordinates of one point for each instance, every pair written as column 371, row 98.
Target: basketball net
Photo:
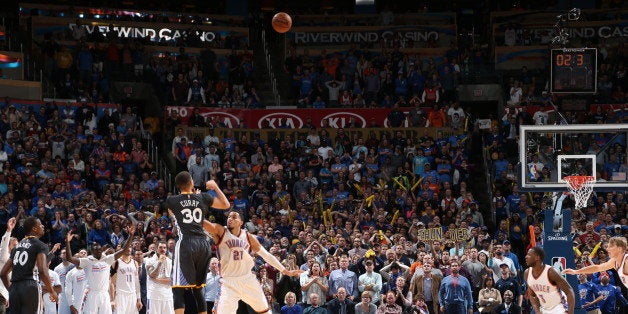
column 581, row 188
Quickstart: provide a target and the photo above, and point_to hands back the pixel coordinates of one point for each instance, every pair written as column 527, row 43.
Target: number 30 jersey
column 233, row 251
column 24, row 257
column 189, row 210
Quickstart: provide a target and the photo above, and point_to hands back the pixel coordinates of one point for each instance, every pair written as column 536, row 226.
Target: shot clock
column 573, row 71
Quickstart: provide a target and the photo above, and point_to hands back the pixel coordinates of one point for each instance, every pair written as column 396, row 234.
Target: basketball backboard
column 548, row 153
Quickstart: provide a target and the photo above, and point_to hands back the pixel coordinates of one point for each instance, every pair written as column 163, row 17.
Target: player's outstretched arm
column 591, row 269
column 564, row 287
column 6, row 238
column 68, row 249
column 127, row 244
column 221, row 201
column 257, row 248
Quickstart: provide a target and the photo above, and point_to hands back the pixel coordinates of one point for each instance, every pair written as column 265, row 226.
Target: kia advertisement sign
column 291, row 118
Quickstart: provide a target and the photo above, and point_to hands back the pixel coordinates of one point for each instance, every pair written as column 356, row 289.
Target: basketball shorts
column 97, row 301
column 160, row 307
column 191, row 262
column 64, row 307
column 245, row 288
column 558, row 309
column 126, row 303
column 21, row 297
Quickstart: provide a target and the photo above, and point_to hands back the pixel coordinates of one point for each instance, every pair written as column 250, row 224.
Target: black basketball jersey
column 24, row 257
column 189, row 211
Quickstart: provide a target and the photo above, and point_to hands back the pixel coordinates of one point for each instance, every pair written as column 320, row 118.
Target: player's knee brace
column 178, row 298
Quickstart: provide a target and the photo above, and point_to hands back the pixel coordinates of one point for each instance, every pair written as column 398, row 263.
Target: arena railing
column 269, row 67
column 163, row 171
column 488, row 165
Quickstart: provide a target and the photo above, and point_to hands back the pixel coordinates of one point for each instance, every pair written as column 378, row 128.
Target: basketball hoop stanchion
column 581, row 188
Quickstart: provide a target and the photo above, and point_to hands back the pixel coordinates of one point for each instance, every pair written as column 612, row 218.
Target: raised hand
column 131, row 229
column 11, row 224
column 69, row 236
column 56, row 247
column 211, row 185
column 569, row 271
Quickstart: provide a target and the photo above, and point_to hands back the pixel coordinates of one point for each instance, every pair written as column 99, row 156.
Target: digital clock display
column 574, row 71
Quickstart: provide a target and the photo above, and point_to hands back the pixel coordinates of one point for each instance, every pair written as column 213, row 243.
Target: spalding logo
column 280, row 119
column 342, row 119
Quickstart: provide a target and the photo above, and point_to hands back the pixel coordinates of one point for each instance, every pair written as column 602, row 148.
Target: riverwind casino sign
column 323, row 36
column 155, row 32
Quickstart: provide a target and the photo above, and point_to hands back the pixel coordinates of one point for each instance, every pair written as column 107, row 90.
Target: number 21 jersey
column 233, row 251
column 189, row 210
column 24, row 257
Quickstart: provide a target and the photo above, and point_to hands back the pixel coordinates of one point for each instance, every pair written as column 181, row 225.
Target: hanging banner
column 443, row 35
column 292, row 118
column 437, row 234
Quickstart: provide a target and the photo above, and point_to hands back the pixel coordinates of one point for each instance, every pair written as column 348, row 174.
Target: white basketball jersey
column 97, row 271
column 549, row 295
column 235, row 259
column 75, row 285
column 620, row 271
column 126, row 276
column 63, row 270
column 155, row 290
column 49, row 306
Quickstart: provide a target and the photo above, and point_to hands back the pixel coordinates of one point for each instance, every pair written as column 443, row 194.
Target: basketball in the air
column 282, row 22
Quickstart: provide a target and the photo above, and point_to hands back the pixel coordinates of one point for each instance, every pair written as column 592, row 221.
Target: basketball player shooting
column 236, row 262
column 192, row 251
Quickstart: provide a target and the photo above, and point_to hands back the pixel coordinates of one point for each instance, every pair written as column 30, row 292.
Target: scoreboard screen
column 573, row 71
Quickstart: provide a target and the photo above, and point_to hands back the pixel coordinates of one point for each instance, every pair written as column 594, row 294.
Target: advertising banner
column 437, row 234
column 155, row 32
column 292, row 118
column 321, row 36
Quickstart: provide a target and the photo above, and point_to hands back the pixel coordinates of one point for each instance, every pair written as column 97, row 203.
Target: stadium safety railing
column 488, row 165
column 161, row 167
column 269, row 67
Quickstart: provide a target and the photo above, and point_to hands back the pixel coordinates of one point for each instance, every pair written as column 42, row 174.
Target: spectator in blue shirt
column 611, row 295
column 590, row 296
column 98, row 234
column 454, row 294
column 513, row 200
column 344, row 278
column 291, row 307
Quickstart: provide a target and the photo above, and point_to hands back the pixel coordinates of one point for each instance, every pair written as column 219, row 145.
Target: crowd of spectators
column 346, row 210
column 365, row 79
column 85, row 71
